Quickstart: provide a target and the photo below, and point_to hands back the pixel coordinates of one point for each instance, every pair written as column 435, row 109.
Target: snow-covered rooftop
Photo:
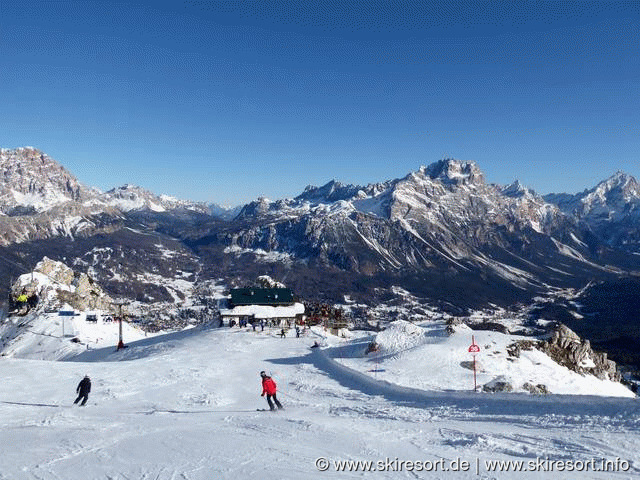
column 264, row 311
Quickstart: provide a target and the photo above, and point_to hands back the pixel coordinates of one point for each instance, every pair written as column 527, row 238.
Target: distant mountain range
column 441, row 232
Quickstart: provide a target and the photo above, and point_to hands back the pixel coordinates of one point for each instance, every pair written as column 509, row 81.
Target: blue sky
column 225, row 101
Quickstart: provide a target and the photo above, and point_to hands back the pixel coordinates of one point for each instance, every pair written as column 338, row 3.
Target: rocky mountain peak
column 452, row 171
column 619, row 186
column 258, row 207
column 31, row 180
column 517, row 190
column 612, row 199
column 131, row 197
column 330, row 192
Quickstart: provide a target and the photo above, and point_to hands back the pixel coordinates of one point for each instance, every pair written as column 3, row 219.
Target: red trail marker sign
column 473, row 350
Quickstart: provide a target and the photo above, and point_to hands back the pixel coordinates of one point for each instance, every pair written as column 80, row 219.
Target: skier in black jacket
column 83, row 389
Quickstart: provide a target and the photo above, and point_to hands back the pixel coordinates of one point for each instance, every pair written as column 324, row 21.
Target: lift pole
column 121, row 344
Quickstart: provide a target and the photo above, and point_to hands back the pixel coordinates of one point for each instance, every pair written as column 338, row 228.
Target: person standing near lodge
column 83, row 389
column 269, row 389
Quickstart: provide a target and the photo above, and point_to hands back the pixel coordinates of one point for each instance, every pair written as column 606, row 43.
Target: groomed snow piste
column 184, row 406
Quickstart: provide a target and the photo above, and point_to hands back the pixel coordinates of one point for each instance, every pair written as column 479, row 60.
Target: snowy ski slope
column 184, row 406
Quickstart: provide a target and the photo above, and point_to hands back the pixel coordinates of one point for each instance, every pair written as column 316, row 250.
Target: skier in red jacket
column 269, row 389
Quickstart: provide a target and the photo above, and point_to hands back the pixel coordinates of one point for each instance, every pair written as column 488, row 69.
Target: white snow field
column 184, row 406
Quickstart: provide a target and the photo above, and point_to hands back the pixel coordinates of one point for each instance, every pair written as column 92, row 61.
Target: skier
column 283, row 334
column 297, row 331
column 269, row 388
column 83, row 389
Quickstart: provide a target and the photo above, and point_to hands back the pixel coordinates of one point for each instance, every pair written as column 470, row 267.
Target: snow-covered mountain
column 447, row 193
column 438, row 230
column 611, row 199
column 223, row 212
column 31, row 181
column 40, row 199
column 440, row 218
column 611, row 209
column 131, row 197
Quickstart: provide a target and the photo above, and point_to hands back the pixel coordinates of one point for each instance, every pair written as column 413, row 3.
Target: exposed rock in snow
column 611, row 209
column 539, row 389
column 498, row 384
column 568, row 349
column 55, row 284
column 265, row 281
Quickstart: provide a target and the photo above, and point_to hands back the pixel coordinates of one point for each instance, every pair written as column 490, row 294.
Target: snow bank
column 51, row 336
column 425, row 357
column 399, row 336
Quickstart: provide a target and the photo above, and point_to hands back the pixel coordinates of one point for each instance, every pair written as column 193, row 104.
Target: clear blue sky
column 228, row 100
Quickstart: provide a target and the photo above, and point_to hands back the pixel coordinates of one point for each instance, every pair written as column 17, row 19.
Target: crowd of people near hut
column 319, row 313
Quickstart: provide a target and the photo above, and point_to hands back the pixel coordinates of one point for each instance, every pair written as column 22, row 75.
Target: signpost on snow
column 121, row 344
column 473, row 350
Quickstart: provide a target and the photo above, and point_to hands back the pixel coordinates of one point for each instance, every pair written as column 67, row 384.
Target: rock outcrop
column 498, row 384
column 538, row 389
column 55, row 284
column 568, row 349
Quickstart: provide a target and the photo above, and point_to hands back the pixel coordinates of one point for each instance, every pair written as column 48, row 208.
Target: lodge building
column 276, row 305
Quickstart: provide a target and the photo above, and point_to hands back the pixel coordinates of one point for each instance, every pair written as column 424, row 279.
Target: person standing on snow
column 22, row 299
column 83, row 389
column 269, row 389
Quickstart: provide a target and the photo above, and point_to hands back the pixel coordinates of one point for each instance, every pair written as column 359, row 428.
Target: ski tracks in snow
column 177, row 417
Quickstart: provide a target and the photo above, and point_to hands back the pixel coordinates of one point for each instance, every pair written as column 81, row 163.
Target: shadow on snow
column 495, row 404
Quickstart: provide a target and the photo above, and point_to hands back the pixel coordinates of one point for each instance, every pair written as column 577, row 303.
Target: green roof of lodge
column 261, row 296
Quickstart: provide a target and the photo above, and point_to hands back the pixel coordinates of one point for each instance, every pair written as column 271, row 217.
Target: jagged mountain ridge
column 440, row 225
column 40, row 199
column 32, row 182
column 611, row 209
column 442, row 216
